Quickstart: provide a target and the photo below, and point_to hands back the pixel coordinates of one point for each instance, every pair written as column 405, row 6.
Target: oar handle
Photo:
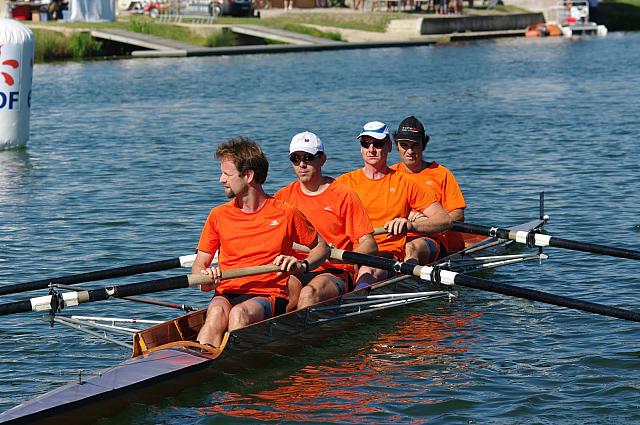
column 69, row 299
column 249, row 271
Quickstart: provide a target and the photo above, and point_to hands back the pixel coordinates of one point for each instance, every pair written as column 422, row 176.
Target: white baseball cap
column 376, row 129
column 306, row 142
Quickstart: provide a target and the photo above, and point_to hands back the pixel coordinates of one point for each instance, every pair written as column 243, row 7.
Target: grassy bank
column 620, row 15
column 150, row 26
column 54, row 46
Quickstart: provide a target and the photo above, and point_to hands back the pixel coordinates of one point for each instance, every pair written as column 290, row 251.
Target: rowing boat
column 167, row 352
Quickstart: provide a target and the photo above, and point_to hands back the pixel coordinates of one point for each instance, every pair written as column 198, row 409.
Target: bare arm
column 457, row 214
column 367, row 245
column 319, row 252
column 201, row 266
column 202, row 261
column 436, row 220
column 433, row 219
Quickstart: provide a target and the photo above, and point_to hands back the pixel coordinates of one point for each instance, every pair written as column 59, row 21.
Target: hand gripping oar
column 538, row 239
column 56, row 302
column 74, row 279
column 447, row 277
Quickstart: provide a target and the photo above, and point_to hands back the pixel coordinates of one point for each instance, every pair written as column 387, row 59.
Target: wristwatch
column 305, row 264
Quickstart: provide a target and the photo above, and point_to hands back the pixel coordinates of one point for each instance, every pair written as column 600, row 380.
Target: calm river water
column 119, row 170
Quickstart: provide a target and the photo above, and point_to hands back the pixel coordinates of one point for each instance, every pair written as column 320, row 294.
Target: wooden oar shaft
column 69, row 299
column 74, row 279
column 539, row 239
column 449, row 277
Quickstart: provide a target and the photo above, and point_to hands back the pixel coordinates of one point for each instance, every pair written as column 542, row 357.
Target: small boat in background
column 572, row 17
column 543, row 30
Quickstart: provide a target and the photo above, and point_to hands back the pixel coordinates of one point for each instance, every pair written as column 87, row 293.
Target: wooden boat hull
column 158, row 358
column 146, row 375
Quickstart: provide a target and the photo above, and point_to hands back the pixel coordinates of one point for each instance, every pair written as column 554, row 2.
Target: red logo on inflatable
column 12, row 63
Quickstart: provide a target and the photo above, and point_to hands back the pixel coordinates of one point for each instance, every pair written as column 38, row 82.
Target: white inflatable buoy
column 16, row 69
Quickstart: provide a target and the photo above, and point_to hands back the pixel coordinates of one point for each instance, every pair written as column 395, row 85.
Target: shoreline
column 277, row 31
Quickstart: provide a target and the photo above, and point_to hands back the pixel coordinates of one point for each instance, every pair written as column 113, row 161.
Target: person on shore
column 335, row 211
column 389, row 197
column 54, row 10
column 411, row 140
column 232, row 229
column 288, row 5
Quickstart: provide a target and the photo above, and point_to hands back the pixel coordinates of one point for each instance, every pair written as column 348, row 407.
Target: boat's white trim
column 117, row 319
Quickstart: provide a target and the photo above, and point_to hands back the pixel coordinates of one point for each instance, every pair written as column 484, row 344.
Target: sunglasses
column 378, row 144
column 296, row 158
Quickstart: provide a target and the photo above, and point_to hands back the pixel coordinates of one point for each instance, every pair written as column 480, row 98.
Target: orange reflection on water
column 397, row 369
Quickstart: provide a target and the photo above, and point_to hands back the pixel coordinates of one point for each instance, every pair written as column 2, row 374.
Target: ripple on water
column 131, row 177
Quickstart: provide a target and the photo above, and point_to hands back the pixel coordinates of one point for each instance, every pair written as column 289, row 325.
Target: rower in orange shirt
column 335, row 211
column 250, row 230
column 411, row 141
column 389, row 197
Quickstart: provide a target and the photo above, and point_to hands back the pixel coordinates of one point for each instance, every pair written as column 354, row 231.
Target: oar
column 447, row 277
column 74, row 279
column 538, row 239
column 69, row 299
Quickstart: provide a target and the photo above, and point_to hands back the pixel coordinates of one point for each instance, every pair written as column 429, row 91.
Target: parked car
column 155, row 8
column 232, row 8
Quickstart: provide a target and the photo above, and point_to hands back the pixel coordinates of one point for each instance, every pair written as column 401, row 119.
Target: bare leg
column 245, row 313
column 368, row 275
column 215, row 324
column 322, row 287
column 421, row 251
column 294, row 293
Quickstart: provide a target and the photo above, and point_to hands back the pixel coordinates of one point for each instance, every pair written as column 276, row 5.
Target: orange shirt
column 337, row 214
column 440, row 179
column 254, row 239
column 387, row 198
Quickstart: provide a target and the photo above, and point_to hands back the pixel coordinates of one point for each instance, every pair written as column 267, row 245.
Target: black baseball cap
column 412, row 129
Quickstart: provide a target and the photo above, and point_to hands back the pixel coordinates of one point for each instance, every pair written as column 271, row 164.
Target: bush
column 141, row 25
column 82, row 45
column 620, row 15
column 52, row 46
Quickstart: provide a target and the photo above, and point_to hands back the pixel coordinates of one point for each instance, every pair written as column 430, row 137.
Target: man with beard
column 234, row 230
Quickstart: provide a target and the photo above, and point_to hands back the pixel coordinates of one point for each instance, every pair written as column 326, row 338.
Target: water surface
column 120, row 170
